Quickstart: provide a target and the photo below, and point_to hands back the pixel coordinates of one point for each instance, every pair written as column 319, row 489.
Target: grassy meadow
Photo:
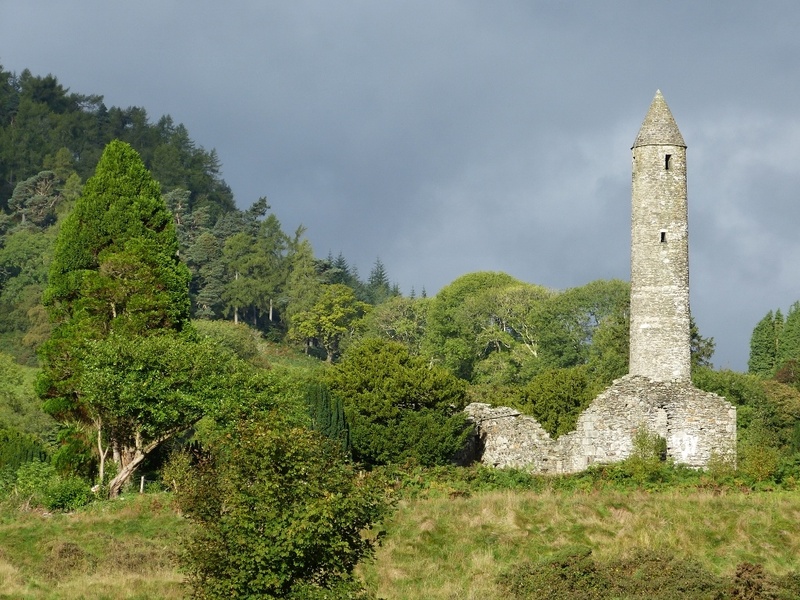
column 434, row 547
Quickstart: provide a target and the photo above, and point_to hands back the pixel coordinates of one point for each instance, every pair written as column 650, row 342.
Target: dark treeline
column 244, row 265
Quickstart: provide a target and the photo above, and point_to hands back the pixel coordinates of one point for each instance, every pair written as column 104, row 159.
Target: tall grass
column 461, row 547
column 453, row 546
column 120, row 549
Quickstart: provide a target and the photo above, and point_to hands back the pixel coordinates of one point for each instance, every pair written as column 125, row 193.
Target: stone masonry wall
column 695, row 424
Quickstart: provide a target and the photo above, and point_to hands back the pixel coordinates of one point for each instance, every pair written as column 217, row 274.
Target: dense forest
column 144, row 316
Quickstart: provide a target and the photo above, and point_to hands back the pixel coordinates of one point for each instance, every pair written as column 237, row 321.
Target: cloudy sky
column 450, row 137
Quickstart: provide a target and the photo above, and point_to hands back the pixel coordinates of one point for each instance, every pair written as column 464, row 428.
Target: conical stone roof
column 659, row 127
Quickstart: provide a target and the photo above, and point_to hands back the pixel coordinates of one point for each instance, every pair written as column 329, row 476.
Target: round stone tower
column 659, row 334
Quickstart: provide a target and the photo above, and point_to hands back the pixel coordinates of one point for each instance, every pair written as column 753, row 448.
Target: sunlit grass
column 457, row 548
column 120, row 549
column 443, row 547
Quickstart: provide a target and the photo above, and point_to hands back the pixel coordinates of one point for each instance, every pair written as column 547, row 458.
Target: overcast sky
column 450, row 137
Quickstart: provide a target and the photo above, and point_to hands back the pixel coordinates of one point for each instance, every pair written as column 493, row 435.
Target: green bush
column 67, row 494
column 38, row 484
column 33, row 479
column 278, row 513
column 398, row 406
column 642, row 575
column 570, row 575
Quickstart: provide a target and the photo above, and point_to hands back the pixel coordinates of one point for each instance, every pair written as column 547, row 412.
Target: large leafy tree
column 457, row 317
column 333, row 316
column 116, row 279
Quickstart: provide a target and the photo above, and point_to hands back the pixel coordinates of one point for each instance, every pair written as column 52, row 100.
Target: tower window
column 667, row 161
column 663, row 237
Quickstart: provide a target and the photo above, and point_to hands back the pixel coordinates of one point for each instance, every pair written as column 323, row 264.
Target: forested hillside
column 149, row 326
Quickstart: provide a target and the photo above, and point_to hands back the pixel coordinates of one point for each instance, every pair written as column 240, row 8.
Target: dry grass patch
column 436, row 547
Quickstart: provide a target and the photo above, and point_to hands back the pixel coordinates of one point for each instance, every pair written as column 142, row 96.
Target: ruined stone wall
column 695, row 424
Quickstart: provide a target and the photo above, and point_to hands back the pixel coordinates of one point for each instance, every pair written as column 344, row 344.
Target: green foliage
column 119, row 295
column 568, row 321
column 399, row 319
column 115, row 265
column 768, row 419
column 377, row 286
column 609, row 353
column 17, row 448
column 67, row 494
column 38, row 484
column 335, row 314
column 556, row 398
column 789, row 337
column 399, row 407
column 239, row 340
column 278, row 513
column 647, row 461
column 327, row 415
column 764, row 345
column 20, row 410
column 456, row 317
column 573, row 574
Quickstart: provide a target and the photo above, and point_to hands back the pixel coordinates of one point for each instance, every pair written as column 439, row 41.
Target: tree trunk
column 101, row 452
column 138, row 456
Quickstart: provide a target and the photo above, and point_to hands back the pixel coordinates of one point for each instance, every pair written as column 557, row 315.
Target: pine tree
column 789, row 337
column 764, row 346
column 378, row 287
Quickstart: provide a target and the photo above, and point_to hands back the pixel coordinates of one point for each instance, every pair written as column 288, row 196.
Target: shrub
column 641, row 575
column 67, row 494
column 38, row 484
column 279, row 513
column 570, row 575
column 398, row 407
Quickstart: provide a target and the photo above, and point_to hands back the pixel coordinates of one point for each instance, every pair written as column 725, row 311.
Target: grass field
column 120, row 549
column 434, row 548
column 458, row 548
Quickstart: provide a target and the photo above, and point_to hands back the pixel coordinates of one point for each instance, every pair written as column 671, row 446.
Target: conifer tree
column 327, row 415
column 789, row 337
column 117, row 289
column 764, row 346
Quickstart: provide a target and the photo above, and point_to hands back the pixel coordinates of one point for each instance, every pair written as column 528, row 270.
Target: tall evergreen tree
column 764, row 346
column 789, row 337
column 115, row 282
column 378, row 286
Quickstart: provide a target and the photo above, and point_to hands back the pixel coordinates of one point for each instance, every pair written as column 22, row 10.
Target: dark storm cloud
column 451, row 137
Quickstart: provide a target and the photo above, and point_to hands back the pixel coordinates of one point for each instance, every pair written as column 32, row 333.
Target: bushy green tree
column 120, row 357
column 335, row 314
column 556, row 398
column 481, row 314
column 278, row 513
column 568, row 321
column 400, row 320
column 398, row 406
column 139, row 391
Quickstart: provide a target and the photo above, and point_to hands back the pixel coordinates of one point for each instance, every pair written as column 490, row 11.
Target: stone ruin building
column 657, row 395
